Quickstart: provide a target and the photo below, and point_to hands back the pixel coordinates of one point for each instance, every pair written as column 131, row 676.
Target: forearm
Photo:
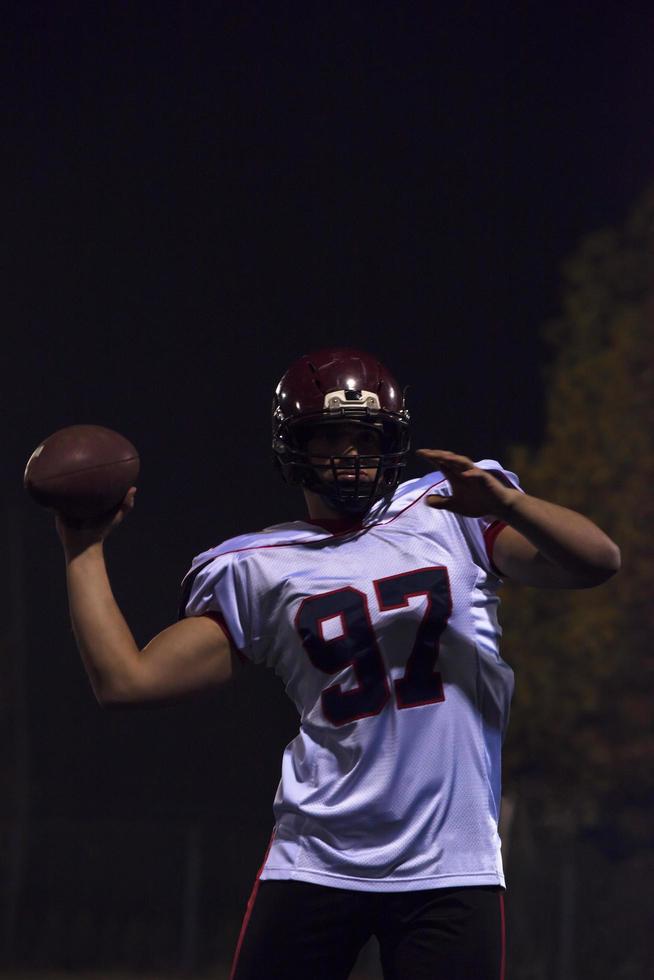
column 562, row 537
column 107, row 647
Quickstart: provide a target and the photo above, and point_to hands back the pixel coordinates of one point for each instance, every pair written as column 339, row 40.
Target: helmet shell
column 339, row 384
column 303, row 390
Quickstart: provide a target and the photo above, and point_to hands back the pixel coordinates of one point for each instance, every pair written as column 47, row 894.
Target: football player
column 378, row 610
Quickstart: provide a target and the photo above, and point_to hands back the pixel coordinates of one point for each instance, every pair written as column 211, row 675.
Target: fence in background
column 168, row 896
column 128, row 894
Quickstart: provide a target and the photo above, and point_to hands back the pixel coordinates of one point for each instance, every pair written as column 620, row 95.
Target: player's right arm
column 190, row 656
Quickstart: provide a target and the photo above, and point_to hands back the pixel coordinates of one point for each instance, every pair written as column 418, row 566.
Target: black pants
column 298, row 931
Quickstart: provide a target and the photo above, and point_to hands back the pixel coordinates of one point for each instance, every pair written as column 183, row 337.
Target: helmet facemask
column 350, row 483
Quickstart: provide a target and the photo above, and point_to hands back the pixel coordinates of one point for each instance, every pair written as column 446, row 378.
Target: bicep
column 188, row 657
column 518, row 560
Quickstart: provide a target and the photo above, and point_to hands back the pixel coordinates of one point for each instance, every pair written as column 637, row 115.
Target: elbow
column 115, row 693
column 605, row 566
column 612, row 561
column 109, row 699
column 616, row 559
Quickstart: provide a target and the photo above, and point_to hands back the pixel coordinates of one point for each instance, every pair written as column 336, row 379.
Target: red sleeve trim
column 220, row 620
column 491, row 535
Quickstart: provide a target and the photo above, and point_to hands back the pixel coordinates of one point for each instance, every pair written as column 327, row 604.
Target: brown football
column 82, row 471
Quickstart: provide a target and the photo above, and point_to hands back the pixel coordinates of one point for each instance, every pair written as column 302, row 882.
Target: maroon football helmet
column 334, row 386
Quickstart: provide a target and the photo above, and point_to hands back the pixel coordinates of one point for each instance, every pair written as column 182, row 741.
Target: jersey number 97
column 356, row 645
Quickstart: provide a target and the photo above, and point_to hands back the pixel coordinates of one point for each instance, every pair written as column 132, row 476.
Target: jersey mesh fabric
column 381, row 789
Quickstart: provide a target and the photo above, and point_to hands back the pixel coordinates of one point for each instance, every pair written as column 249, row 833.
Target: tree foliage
column 581, row 744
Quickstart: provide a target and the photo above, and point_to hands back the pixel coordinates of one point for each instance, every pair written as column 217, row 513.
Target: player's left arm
column 543, row 544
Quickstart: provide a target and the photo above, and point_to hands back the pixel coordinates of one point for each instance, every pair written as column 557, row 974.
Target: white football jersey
column 386, row 639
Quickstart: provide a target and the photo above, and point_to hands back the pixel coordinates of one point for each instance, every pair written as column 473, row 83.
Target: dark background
column 195, row 194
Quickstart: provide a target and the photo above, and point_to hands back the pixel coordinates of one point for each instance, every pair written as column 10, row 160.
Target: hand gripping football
column 83, row 472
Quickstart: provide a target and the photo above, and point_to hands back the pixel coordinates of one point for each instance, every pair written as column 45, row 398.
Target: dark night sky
column 194, row 194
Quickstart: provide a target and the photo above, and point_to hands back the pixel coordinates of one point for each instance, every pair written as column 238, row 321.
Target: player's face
column 341, row 443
